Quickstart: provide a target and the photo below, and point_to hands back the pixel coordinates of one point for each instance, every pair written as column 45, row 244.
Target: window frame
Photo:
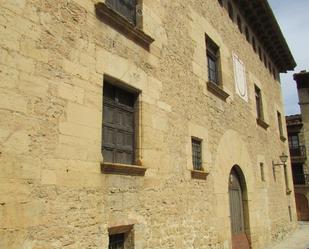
column 197, row 154
column 213, row 54
column 115, row 105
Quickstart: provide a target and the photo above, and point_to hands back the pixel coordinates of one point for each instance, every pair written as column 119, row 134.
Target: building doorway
column 238, row 209
column 302, row 207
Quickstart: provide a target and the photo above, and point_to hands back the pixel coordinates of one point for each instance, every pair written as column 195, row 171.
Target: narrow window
column 118, row 125
column 239, row 23
column 253, row 44
column 247, row 34
column 116, row 241
column 262, row 172
column 274, row 174
column 230, row 11
column 259, row 104
column 126, row 8
column 197, row 153
column 212, row 60
column 260, row 54
column 265, row 61
column 280, row 124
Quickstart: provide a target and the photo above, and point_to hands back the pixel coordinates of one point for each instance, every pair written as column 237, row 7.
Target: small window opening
column 262, row 172
column 197, row 153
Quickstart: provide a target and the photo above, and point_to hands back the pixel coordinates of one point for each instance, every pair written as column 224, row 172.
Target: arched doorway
column 238, row 209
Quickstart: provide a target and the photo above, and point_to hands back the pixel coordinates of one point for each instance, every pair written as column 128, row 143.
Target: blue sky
column 293, row 18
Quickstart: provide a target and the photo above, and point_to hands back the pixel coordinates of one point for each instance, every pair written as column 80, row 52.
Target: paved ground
column 298, row 240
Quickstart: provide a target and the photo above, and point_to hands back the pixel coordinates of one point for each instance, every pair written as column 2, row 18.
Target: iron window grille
column 116, row 241
column 118, row 142
column 126, row 8
column 196, row 154
column 212, row 60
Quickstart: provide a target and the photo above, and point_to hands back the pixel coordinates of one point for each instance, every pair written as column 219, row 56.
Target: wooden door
column 239, row 237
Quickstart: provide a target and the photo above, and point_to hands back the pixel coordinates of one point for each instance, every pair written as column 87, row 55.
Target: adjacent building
column 297, row 127
column 143, row 124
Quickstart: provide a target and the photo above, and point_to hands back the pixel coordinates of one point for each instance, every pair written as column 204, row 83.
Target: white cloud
column 293, row 19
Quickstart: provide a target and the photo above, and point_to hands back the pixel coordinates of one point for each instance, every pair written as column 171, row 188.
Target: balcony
column 302, row 179
column 298, row 154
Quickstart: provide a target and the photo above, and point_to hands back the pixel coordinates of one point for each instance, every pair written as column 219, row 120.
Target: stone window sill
column 122, row 169
column 282, row 138
column 217, row 90
column 118, row 22
column 262, row 123
column 199, row 174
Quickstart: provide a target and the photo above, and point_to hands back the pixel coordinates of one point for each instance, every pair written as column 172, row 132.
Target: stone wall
column 54, row 56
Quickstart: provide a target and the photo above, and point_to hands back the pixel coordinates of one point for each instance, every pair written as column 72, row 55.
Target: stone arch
column 240, row 217
column 232, row 151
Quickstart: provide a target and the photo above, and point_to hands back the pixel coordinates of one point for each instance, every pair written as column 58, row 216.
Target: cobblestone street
column 298, row 240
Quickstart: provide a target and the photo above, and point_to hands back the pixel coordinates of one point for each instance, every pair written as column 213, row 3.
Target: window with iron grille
column 118, row 125
column 196, row 153
column 116, row 241
column 259, row 104
column 126, row 8
column 212, row 61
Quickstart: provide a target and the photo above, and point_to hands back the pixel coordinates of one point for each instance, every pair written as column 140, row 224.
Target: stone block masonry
column 54, row 58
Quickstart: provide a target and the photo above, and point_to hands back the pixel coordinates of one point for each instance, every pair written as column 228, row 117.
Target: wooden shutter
column 118, row 125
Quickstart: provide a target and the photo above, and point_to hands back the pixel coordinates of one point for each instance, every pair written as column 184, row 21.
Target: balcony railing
column 298, row 153
column 301, row 179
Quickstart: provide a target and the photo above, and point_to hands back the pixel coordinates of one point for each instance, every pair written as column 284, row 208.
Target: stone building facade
column 102, row 105
column 297, row 127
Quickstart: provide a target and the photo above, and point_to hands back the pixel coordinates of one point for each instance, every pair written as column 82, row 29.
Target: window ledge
column 217, row 90
column 122, row 169
column 118, row 22
column 199, row 174
column 262, row 123
column 282, row 138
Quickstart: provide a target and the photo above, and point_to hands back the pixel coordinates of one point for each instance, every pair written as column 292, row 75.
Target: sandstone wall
column 53, row 58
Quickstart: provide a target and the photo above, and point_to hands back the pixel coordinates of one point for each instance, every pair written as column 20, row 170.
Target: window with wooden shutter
column 126, row 8
column 212, row 61
column 118, row 125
